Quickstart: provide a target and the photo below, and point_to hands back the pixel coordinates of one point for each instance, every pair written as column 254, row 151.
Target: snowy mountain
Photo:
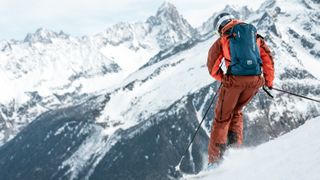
column 134, row 120
column 49, row 70
column 207, row 29
column 142, row 40
column 282, row 158
column 46, row 71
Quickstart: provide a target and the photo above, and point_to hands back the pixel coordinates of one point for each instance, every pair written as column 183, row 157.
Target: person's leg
column 235, row 130
column 226, row 103
column 235, row 134
column 251, row 85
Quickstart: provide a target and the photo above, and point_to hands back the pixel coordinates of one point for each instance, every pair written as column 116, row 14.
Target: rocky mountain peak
column 168, row 13
column 173, row 27
column 232, row 10
column 266, row 23
column 167, row 10
column 5, row 46
column 44, row 35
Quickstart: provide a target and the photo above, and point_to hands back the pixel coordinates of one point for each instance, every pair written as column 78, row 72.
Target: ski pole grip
column 265, row 90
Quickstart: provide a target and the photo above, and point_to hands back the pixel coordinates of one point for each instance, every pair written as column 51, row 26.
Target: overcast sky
column 87, row 17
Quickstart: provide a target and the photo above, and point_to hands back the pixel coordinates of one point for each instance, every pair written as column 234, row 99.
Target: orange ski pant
column 227, row 127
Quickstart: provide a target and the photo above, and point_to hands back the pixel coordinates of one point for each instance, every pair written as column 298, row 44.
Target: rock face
column 173, row 27
column 51, row 138
column 139, row 126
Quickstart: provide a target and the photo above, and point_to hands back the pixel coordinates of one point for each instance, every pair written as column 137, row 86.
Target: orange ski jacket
column 220, row 49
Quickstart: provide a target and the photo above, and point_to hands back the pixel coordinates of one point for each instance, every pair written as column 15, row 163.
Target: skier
column 244, row 52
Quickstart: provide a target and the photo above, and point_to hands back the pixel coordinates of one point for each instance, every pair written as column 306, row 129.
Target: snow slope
column 293, row 156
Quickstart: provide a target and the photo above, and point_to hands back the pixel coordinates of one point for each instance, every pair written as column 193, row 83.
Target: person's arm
column 267, row 63
column 214, row 60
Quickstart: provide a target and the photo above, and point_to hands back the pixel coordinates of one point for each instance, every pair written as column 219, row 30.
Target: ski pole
column 265, row 90
column 194, row 135
column 305, row 97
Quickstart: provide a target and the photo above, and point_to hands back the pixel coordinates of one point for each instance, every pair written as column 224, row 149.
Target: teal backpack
column 244, row 51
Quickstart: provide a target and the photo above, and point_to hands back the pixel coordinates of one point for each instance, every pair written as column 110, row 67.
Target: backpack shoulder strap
column 231, row 31
column 230, row 25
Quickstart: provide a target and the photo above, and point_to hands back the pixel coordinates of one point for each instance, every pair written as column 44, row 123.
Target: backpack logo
column 244, row 51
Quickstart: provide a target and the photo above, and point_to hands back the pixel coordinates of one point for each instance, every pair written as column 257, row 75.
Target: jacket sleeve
column 214, row 60
column 267, row 63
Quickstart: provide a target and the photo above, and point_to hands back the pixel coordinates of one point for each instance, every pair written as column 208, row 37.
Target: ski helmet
column 221, row 20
